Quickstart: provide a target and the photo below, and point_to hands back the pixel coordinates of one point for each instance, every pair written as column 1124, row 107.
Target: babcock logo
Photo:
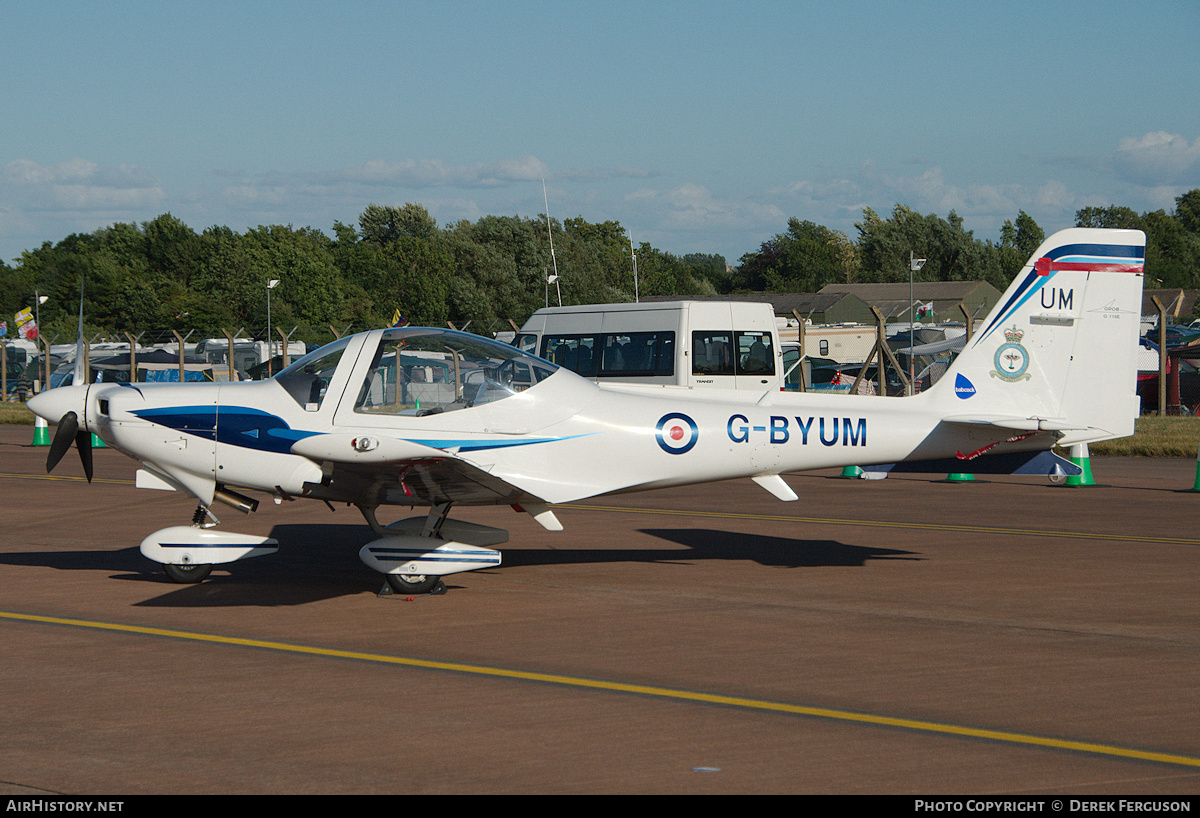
column 676, row 433
column 963, row 387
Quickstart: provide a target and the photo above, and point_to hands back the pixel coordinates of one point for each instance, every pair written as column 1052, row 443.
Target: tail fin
column 1059, row 351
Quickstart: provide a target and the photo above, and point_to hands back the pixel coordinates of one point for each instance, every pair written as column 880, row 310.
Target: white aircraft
column 433, row 417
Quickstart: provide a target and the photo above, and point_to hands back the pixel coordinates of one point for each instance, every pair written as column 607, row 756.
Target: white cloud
column 838, row 201
column 1158, row 159
column 426, row 173
column 78, row 185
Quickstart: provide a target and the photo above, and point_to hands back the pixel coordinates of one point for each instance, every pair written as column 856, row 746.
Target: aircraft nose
column 53, row 404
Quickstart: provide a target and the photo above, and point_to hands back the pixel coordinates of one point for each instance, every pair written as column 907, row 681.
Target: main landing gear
column 414, row 554
column 188, row 553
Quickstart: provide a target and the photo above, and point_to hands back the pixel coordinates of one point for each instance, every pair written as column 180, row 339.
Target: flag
column 925, row 310
column 28, row 331
column 3, row 328
column 24, row 316
column 397, row 319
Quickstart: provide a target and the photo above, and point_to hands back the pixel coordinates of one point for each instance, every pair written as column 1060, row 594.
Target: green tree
column 382, row 224
column 1187, row 211
column 1017, row 243
column 1112, row 217
column 950, row 252
column 803, row 259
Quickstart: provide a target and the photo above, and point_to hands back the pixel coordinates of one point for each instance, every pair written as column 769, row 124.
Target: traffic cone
column 41, row 432
column 1080, row 457
column 97, row 443
column 959, row 477
column 852, row 471
column 1196, row 485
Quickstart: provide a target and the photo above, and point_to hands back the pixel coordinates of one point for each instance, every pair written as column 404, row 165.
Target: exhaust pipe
column 232, row 499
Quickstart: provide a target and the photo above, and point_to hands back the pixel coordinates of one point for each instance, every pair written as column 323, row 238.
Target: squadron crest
column 1012, row 359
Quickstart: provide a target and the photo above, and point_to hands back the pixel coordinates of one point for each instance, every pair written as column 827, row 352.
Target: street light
column 38, row 301
column 272, row 284
column 914, row 264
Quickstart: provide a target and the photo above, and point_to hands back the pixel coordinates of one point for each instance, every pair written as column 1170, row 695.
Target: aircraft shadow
column 314, row 562
column 709, row 544
column 317, row 562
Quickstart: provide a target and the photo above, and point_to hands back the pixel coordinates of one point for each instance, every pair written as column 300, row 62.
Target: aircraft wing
column 370, row 470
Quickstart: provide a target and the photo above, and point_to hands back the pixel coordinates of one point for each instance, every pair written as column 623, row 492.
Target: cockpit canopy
column 420, row 371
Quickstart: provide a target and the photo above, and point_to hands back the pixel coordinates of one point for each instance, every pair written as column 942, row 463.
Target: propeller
column 68, row 427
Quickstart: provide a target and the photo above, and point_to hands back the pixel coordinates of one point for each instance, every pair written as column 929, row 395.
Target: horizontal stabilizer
column 1037, row 463
column 776, row 485
column 1032, row 424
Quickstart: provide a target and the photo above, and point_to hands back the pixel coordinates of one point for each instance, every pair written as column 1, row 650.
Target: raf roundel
column 676, row 433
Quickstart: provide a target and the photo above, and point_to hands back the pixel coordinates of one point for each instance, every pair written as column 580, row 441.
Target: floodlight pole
column 272, row 284
column 633, row 255
column 914, row 264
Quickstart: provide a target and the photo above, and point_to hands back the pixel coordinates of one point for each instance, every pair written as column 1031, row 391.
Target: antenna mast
column 550, row 233
column 633, row 255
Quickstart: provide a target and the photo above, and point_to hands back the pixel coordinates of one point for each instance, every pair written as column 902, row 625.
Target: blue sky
column 699, row 126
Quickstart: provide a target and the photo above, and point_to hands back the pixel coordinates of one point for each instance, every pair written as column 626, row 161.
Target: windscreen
column 420, row 371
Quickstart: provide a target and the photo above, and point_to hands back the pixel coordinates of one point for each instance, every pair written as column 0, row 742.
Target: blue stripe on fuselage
column 262, row 431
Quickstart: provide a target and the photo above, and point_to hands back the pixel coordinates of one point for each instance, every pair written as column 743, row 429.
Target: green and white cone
column 1196, row 485
column 41, row 432
column 1080, row 457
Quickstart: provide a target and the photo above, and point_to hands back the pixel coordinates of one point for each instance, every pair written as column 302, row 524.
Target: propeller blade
column 68, row 428
column 83, row 442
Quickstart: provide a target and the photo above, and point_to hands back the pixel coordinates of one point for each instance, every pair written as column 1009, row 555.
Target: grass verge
column 1154, row 437
column 15, row 413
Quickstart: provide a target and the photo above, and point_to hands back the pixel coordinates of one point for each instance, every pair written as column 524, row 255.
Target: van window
column 722, row 352
column 573, row 352
column 712, row 353
column 755, row 356
column 615, row 354
column 638, row 353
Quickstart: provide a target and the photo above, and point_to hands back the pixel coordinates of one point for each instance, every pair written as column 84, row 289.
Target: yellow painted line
column 67, row 479
column 642, row 690
column 969, row 529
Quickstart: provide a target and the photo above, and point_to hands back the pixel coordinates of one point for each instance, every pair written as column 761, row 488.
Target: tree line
column 808, row 256
column 481, row 274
